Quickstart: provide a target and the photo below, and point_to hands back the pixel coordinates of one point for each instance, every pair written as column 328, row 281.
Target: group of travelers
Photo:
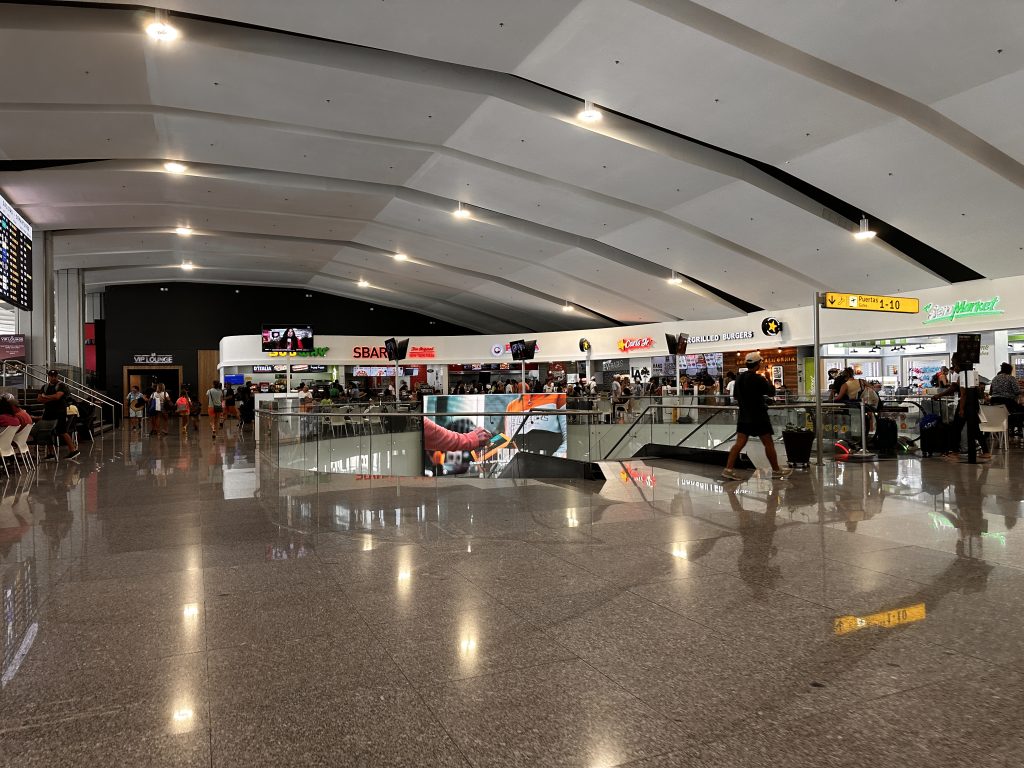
column 156, row 405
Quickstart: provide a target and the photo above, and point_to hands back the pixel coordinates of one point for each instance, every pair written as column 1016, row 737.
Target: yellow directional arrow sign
column 869, row 303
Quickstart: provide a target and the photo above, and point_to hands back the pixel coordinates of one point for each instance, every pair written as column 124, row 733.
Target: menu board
column 15, row 258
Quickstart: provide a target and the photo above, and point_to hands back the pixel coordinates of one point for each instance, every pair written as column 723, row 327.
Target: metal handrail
column 76, row 388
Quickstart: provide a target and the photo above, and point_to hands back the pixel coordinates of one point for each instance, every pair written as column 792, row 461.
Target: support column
column 38, row 325
column 70, row 305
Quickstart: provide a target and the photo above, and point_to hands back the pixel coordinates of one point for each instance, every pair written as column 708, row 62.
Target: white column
column 70, row 305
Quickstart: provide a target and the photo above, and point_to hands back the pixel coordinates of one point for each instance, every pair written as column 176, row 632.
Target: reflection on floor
column 161, row 606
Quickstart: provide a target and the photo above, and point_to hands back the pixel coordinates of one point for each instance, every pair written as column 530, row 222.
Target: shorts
column 61, row 427
column 217, row 408
column 755, row 427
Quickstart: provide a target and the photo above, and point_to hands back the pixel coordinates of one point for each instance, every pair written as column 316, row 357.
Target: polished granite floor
column 177, row 603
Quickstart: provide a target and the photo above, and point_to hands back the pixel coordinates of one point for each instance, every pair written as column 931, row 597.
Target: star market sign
column 938, row 313
column 315, row 352
column 635, row 345
column 712, row 338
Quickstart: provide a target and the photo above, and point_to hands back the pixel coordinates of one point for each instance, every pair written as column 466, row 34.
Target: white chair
column 20, row 444
column 7, row 448
column 995, row 420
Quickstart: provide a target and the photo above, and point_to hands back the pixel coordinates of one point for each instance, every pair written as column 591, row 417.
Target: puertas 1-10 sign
column 869, row 303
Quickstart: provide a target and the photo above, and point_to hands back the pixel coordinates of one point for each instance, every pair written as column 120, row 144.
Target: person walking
column 54, row 397
column 215, row 404
column 136, row 408
column 159, row 407
column 182, row 408
column 750, row 392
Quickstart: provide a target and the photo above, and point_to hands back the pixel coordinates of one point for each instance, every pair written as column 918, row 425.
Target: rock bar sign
column 714, row 337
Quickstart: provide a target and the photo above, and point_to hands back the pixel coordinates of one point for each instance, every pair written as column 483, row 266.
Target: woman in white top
column 161, row 405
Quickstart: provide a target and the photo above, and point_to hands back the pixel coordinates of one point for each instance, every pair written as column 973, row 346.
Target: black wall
column 192, row 316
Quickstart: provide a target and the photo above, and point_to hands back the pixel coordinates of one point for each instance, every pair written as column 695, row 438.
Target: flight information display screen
column 15, row 258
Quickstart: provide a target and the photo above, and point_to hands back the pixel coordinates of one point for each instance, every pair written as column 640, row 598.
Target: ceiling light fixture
column 400, row 257
column 188, row 266
column 176, row 168
column 675, row 279
column 589, row 114
column 159, row 30
column 363, row 283
column 183, row 231
column 461, row 213
column 568, row 307
column 865, row 232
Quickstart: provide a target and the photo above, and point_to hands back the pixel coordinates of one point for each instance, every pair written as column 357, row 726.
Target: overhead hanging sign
column 959, row 310
column 864, row 302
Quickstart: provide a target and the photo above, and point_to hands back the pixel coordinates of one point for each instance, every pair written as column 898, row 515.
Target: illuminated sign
column 423, row 353
column 152, row 359
column 844, row 625
column 315, row 352
column 263, row 368
column 366, row 353
column 771, row 327
column 635, row 345
column 938, row 313
column 869, row 303
column 711, row 338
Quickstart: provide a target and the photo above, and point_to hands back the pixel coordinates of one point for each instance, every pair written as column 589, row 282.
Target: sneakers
column 74, row 454
column 781, row 474
column 730, row 474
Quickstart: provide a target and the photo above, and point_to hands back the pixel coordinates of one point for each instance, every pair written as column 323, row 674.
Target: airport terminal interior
column 590, row 383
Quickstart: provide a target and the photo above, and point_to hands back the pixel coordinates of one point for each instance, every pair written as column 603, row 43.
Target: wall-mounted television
column 522, row 350
column 234, row 379
column 287, row 338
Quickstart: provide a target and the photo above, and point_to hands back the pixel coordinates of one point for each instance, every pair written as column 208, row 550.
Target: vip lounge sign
column 152, row 358
column 960, row 310
column 635, row 345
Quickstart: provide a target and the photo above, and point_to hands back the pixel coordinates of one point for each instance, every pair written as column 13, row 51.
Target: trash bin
column 798, row 444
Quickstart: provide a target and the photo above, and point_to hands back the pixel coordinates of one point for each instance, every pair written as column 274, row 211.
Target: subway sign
column 315, row 352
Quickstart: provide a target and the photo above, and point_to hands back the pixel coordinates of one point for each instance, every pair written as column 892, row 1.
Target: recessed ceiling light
column 161, row 31
column 568, row 307
column 589, row 114
column 183, row 231
column 865, row 232
column 363, row 283
column 400, row 257
column 172, row 167
column 461, row 213
column 188, row 266
column 675, row 279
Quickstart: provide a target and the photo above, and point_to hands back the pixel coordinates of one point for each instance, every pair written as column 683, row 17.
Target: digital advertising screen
column 712, row 361
column 234, row 379
column 457, row 440
column 15, row 258
column 287, row 338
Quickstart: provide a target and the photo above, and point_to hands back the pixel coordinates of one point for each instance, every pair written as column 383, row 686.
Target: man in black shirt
column 749, row 393
column 55, row 408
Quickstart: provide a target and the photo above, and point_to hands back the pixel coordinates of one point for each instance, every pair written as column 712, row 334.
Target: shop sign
column 715, row 337
column 635, row 345
column 508, row 349
column 152, row 359
column 771, row 327
column 315, row 352
column 263, row 368
column 422, row 353
column 497, row 350
column 12, row 347
column 961, row 309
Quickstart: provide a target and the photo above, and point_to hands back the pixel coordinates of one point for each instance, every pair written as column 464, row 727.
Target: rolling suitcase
column 887, row 436
column 933, row 439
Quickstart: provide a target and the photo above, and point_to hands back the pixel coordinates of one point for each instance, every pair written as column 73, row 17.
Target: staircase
column 27, row 379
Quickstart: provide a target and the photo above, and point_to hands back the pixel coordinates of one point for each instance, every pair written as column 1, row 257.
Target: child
column 182, row 408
